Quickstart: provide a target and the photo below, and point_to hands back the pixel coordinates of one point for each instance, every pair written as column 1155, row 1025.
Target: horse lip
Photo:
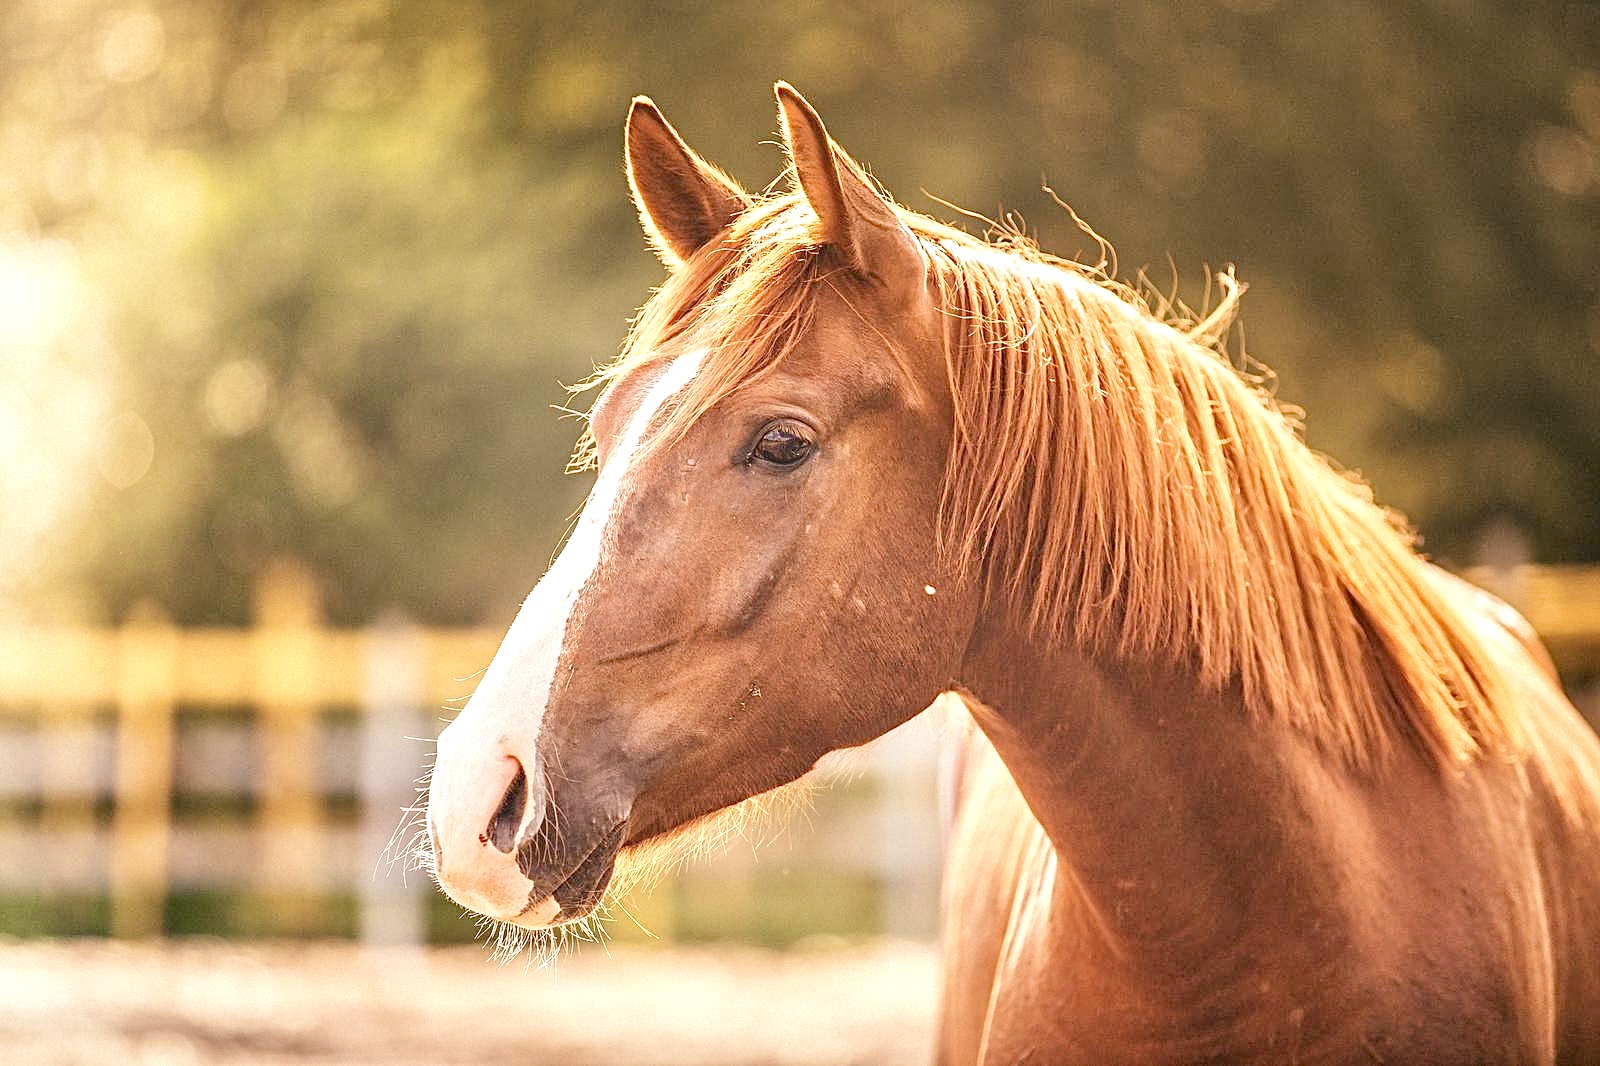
column 582, row 889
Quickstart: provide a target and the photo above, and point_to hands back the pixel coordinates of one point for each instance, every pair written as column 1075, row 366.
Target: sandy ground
column 214, row 1002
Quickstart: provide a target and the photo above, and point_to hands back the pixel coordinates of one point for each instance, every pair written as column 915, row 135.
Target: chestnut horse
column 1250, row 781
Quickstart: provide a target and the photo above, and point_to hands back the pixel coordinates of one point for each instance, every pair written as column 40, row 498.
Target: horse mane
column 1125, row 488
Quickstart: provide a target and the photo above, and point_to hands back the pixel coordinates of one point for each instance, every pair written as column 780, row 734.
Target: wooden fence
column 94, row 713
column 287, row 669
column 91, row 717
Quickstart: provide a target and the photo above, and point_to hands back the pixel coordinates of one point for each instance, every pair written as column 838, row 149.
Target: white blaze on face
column 505, row 714
column 519, row 678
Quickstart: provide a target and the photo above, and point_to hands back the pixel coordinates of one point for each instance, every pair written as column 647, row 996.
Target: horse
column 1245, row 778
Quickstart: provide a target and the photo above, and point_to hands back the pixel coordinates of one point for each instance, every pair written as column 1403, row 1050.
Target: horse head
column 755, row 578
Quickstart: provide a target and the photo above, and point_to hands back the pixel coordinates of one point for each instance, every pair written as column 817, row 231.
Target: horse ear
column 855, row 216
column 683, row 201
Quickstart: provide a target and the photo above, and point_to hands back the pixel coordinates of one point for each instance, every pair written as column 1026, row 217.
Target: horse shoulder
column 1560, row 773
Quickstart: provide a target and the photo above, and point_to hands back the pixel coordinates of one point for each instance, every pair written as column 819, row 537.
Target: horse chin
column 576, row 898
column 645, row 861
column 614, row 868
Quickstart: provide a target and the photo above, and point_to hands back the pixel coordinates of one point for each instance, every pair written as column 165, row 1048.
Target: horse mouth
column 581, row 891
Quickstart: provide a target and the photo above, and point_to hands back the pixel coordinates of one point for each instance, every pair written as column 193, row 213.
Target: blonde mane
column 1118, row 482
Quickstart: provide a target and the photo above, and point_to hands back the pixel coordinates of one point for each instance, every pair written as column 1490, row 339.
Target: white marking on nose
column 506, row 713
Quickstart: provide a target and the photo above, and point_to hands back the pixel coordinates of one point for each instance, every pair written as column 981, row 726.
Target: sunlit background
column 288, row 294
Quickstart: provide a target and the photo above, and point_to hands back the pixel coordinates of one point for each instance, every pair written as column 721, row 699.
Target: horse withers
column 1249, row 780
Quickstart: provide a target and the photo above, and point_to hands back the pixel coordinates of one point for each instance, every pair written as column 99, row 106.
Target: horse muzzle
column 507, row 846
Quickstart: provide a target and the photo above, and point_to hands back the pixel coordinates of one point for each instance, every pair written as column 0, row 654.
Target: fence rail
column 391, row 678
column 288, row 669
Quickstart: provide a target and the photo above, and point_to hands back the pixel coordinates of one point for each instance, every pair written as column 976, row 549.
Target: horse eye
column 783, row 443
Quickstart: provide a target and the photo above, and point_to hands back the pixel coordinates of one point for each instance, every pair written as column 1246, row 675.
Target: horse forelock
column 1122, row 486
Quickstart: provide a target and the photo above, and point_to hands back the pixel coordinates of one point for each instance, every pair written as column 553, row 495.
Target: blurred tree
column 295, row 276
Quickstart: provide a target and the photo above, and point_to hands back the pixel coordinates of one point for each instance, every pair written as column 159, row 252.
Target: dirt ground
column 195, row 1001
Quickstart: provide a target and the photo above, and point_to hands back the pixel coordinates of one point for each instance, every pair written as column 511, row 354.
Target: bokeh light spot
column 127, row 450
column 1172, row 145
column 236, row 397
column 325, row 460
column 1563, row 160
column 1413, row 373
column 132, row 45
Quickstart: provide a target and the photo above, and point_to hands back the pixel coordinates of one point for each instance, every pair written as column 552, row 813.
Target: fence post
column 147, row 659
column 393, row 724
column 287, row 676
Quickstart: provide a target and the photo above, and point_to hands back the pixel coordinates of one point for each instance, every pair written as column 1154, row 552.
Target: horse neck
column 1166, row 803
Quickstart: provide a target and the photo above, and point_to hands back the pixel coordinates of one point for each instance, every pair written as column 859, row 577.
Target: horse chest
column 1029, row 978
column 1047, row 1006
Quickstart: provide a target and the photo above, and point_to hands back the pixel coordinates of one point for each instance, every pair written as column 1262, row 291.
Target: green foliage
column 296, row 277
column 777, row 908
column 38, row 913
column 242, row 914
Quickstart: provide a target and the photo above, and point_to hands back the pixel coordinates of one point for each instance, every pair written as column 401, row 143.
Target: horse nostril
column 502, row 828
